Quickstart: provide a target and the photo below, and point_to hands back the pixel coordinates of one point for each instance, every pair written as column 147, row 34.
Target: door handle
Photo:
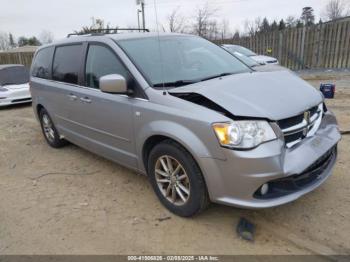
column 85, row 100
column 72, row 97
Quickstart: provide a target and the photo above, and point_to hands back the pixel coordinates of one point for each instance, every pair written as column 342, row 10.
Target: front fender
column 179, row 133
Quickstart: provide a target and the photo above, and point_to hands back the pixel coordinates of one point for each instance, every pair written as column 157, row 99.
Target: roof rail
column 104, row 31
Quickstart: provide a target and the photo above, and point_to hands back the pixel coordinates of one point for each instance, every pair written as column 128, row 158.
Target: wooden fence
column 24, row 58
column 324, row 45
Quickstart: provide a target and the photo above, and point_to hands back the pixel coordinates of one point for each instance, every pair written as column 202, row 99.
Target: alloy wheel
column 172, row 180
column 48, row 128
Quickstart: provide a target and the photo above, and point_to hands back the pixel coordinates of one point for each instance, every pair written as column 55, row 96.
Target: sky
column 31, row 17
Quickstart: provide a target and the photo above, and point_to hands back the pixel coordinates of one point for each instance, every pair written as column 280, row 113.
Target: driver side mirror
column 115, row 84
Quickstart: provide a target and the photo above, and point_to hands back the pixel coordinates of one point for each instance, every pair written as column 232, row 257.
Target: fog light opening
column 264, row 189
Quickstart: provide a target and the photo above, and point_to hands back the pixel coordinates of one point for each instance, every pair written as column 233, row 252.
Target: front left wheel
column 177, row 179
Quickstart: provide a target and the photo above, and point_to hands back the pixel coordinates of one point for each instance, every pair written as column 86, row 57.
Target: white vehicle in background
column 257, row 66
column 14, row 85
column 261, row 59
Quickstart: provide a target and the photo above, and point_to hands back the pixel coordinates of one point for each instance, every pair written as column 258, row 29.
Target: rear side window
column 66, row 64
column 102, row 61
column 42, row 63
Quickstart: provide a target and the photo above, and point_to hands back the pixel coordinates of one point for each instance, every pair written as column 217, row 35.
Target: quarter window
column 102, row 61
column 66, row 64
column 42, row 63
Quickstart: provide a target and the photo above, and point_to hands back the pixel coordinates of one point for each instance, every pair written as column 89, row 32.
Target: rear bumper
column 289, row 172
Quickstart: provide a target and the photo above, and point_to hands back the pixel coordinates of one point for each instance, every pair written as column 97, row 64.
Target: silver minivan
column 201, row 124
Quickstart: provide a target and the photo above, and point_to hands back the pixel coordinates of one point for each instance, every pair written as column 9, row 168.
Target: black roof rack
column 103, row 31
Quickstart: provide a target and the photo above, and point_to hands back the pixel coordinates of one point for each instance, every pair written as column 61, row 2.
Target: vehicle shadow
column 16, row 106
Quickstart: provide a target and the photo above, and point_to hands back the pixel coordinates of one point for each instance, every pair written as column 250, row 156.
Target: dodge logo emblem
column 307, row 115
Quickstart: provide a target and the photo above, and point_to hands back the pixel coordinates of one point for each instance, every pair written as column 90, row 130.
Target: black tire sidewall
column 198, row 191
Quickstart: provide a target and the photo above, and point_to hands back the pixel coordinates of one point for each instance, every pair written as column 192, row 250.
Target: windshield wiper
column 216, row 76
column 176, row 83
column 188, row 82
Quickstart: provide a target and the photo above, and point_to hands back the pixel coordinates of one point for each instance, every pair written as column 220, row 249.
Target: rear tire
column 49, row 130
column 171, row 168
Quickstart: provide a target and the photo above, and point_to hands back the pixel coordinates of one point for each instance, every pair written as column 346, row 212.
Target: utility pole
column 138, row 18
column 142, row 3
column 143, row 14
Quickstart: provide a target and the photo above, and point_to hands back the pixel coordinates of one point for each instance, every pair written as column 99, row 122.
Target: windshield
column 13, row 75
column 240, row 49
column 182, row 60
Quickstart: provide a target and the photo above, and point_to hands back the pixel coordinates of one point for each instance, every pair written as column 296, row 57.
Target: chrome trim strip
column 297, row 128
column 315, row 122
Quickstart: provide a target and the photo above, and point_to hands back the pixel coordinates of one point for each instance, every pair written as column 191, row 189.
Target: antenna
column 160, row 49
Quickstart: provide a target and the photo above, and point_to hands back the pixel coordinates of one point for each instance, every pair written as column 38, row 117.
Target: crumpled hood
column 273, row 95
column 264, row 58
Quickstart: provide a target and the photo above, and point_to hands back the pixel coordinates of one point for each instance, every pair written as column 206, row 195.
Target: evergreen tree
column 308, row 16
column 23, row 41
column 12, row 41
column 282, row 25
column 274, row 26
column 236, row 35
column 299, row 24
column 265, row 26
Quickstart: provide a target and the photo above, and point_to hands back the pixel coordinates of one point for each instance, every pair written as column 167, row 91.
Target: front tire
column 49, row 130
column 177, row 179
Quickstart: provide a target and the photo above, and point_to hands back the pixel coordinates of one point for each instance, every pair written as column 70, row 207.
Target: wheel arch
column 38, row 108
column 158, row 131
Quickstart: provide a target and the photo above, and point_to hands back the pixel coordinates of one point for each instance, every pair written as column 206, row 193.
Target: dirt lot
column 70, row 201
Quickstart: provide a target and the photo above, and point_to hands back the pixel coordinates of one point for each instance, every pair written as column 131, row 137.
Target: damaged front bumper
column 289, row 172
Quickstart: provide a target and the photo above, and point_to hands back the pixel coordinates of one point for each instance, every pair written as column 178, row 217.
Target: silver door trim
column 94, row 129
column 92, row 89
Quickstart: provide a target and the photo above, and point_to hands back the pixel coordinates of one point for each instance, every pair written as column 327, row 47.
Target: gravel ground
column 70, row 201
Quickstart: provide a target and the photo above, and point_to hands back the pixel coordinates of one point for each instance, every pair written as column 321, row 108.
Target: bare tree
column 4, row 41
column 291, row 21
column 213, row 30
column 176, row 21
column 335, row 9
column 46, row 37
column 251, row 27
column 225, row 28
column 258, row 23
column 97, row 25
column 203, row 18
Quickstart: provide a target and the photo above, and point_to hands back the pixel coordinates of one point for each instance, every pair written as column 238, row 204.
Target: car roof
column 116, row 37
column 143, row 35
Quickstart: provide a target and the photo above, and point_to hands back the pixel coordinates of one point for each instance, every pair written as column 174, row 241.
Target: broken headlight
column 244, row 134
